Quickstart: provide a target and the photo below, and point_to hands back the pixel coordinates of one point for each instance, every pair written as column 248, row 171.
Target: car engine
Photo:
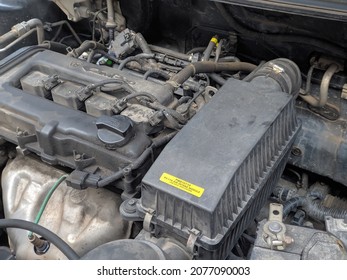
column 173, row 130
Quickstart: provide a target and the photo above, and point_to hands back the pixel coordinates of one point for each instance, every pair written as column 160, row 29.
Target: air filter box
column 211, row 180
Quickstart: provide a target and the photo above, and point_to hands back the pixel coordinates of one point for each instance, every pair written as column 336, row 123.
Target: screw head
column 132, row 202
column 296, row 151
column 275, row 227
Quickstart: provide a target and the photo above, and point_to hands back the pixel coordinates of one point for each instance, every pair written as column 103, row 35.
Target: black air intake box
column 215, row 175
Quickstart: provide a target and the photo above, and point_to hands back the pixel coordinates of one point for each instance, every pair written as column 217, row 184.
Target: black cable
column 141, row 94
column 156, row 142
column 45, row 233
column 158, row 72
column 103, row 53
column 121, row 84
column 136, row 58
column 293, row 203
column 85, row 46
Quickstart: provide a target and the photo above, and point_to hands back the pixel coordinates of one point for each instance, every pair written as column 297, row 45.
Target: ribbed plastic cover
column 208, row 176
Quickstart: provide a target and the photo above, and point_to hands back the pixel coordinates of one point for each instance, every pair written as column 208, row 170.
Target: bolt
column 127, row 171
column 296, row 151
column 78, row 157
column 288, row 240
column 132, row 202
column 275, row 227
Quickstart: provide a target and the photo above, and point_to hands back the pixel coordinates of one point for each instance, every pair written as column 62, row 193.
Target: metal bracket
column 193, row 237
column 274, row 230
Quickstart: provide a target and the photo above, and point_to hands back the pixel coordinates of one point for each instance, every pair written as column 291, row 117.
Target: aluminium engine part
column 66, row 135
column 337, row 227
column 84, row 219
column 143, row 247
column 126, row 250
column 309, row 244
column 75, row 10
column 321, row 146
column 210, row 181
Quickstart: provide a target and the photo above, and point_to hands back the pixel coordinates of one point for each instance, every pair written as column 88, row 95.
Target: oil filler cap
column 114, row 131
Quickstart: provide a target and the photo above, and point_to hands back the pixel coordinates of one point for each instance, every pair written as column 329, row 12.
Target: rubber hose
column 141, row 94
column 85, row 46
column 134, row 58
column 217, row 78
column 110, row 179
column 172, row 112
column 142, row 43
column 293, row 203
column 210, row 67
column 159, row 72
column 55, row 46
column 156, row 142
column 45, row 233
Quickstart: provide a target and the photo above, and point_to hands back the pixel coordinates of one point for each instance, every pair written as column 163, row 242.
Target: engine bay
column 173, row 130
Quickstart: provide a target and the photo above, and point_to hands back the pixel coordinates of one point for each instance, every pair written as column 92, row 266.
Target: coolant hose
column 85, row 46
column 158, row 72
column 143, row 45
column 45, row 233
column 204, row 67
column 283, row 71
column 136, row 58
column 210, row 67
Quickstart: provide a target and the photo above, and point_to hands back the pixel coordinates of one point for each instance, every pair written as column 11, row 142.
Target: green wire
column 44, row 203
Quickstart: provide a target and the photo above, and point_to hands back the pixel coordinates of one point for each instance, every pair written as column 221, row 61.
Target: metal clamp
column 148, row 220
column 193, row 237
column 274, row 230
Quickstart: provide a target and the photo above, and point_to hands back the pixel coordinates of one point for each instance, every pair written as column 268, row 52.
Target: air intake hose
column 283, row 71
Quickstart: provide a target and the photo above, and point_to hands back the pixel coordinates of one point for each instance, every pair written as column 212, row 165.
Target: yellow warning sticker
column 182, row 185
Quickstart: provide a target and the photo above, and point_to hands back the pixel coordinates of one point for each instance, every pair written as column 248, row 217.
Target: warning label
column 182, row 185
